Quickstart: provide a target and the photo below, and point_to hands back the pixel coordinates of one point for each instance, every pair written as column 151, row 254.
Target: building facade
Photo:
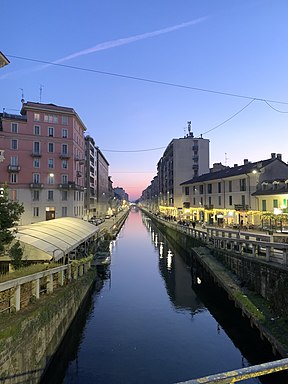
column 237, row 195
column 42, row 160
column 97, row 192
column 183, row 159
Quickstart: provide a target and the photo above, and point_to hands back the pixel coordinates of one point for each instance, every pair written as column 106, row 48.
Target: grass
column 25, row 271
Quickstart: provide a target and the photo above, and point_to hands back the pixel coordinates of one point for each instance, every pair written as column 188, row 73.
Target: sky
column 136, row 72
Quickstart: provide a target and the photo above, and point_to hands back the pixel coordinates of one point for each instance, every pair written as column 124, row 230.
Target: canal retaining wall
column 243, row 278
column 29, row 338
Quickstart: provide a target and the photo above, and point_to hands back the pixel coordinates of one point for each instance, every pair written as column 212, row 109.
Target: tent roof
column 54, row 238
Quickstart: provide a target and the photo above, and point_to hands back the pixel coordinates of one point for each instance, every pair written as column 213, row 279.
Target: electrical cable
column 146, row 80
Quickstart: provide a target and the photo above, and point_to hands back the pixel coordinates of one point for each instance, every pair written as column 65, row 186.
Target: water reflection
column 152, row 324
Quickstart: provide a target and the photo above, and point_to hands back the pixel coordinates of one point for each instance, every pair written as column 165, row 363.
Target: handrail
column 242, row 374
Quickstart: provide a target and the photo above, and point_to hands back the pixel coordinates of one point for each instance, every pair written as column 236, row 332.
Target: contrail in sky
column 128, row 40
column 117, row 43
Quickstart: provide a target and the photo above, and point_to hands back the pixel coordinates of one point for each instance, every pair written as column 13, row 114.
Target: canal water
column 148, row 324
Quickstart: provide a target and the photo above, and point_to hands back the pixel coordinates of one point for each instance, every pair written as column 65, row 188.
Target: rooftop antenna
column 189, row 124
column 41, row 89
column 22, row 95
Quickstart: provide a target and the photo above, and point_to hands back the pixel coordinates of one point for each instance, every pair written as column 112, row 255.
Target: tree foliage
column 16, row 254
column 10, row 213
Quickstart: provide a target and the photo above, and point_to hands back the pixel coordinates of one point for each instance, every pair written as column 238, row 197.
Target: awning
column 54, row 238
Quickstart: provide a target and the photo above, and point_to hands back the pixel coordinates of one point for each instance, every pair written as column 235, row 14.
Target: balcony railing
column 65, row 155
column 13, row 168
column 36, row 154
column 36, row 185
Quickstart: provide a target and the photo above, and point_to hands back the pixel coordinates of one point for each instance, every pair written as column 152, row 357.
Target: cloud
column 128, row 40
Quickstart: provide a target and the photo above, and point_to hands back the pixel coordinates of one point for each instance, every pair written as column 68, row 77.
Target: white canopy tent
column 54, row 239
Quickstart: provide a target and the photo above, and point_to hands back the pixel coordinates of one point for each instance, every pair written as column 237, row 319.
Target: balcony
column 65, row 155
column 241, row 207
column 63, row 186
column 36, row 154
column 13, row 168
column 79, row 174
column 36, row 185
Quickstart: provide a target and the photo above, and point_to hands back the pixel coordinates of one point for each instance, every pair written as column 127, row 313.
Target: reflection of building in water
column 177, row 277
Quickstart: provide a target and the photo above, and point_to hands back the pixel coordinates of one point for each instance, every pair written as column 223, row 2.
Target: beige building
column 236, row 195
column 183, row 159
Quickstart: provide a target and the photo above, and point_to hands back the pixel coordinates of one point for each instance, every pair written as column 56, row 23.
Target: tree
column 10, row 212
column 16, row 254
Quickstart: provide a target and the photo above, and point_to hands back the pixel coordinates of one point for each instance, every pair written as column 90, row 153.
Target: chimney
column 235, row 165
column 279, row 156
column 273, row 155
column 246, row 161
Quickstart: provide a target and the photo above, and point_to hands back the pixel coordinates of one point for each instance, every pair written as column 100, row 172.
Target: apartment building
column 183, row 159
column 97, row 192
column 42, row 159
column 236, row 195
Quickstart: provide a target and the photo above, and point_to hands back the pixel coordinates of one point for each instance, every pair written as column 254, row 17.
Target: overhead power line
column 147, row 80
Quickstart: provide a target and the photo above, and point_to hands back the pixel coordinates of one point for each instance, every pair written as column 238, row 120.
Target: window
column 36, row 147
column 50, row 147
column 64, row 149
column 51, row 119
column 36, row 178
column 14, row 127
column 64, row 211
column 194, row 201
column 14, row 160
column 64, row 179
column 219, row 187
column 230, row 185
column 242, row 184
column 201, row 201
column 201, row 189
column 36, row 163
column 275, row 203
column 264, row 207
column 219, row 201
column 36, row 116
column 13, row 178
column 37, row 130
column 194, row 190
column 65, row 164
column 50, row 195
column 35, row 211
column 209, row 201
column 50, row 163
column 243, row 201
column 186, row 191
column 51, row 178
column 14, row 144
column 64, row 195
column 36, row 194
column 65, row 120
column 64, row 133
column 209, row 188
column 50, row 131
column 230, row 200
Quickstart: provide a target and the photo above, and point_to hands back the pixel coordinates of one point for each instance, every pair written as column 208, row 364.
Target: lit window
column 36, row 116
column 50, row 178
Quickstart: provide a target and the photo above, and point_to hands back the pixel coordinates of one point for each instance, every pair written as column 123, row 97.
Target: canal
column 147, row 324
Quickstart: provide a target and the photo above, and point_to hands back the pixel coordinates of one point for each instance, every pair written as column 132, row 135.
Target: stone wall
column 29, row 338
